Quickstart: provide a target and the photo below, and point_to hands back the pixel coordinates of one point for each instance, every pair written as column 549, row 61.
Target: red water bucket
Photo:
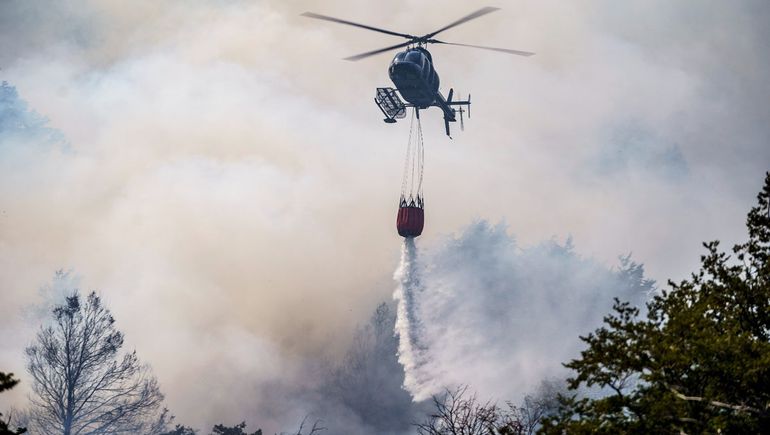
column 410, row 220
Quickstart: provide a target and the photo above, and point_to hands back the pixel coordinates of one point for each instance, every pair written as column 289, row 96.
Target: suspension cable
column 407, row 159
column 415, row 156
column 421, row 160
column 414, row 164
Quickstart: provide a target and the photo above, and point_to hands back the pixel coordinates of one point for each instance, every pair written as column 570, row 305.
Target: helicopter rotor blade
column 350, row 23
column 465, row 19
column 502, row 50
column 373, row 52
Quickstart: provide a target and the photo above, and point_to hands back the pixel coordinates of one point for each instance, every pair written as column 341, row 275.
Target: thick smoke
column 500, row 317
column 366, row 387
column 227, row 183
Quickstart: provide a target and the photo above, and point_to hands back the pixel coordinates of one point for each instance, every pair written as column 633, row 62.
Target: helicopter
column 413, row 73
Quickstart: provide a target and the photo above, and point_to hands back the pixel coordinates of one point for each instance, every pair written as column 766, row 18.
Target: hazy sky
column 225, row 180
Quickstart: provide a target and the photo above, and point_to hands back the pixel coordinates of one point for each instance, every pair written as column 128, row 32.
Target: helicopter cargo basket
column 390, row 104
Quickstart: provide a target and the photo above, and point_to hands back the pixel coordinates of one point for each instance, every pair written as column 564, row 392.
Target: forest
column 693, row 358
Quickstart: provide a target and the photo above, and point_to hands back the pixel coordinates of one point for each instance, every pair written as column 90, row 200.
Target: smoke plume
column 480, row 310
column 224, row 179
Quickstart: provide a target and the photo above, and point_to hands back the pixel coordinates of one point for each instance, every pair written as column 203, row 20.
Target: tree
column 697, row 361
column 80, row 383
column 535, row 407
column 368, row 381
column 238, row 429
column 180, row 430
column 7, row 381
column 19, row 122
column 313, row 429
column 458, row 414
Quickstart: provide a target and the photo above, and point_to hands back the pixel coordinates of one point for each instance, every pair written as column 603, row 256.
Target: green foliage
column 180, row 430
column 698, row 360
column 238, row 429
column 20, row 124
column 7, row 381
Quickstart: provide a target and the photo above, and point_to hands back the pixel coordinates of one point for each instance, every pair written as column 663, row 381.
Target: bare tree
column 314, row 429
column 81, row 385
column 544, row 402
column 457, row 414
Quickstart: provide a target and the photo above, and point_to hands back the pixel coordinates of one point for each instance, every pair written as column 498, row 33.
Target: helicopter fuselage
column 413, row 72
column 415, row 77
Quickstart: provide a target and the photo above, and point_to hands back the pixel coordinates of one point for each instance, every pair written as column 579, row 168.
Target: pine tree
column 7, row 381
column 697, row 361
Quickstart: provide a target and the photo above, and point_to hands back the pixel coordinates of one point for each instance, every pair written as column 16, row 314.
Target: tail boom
column 446, row 106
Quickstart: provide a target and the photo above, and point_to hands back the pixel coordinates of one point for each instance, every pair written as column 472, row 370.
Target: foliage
column 18, row 122
column 535, row 407
column 80, row 383
column 238, row 429
column 7, row 381
column 180, row 430
column 698, row 361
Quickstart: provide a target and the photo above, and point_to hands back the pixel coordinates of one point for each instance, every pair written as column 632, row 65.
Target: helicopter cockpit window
column 399, row 58
column 415, row 57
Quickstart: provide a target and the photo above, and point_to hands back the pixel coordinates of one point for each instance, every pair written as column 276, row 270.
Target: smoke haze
column 224, row 180
column 499, row 317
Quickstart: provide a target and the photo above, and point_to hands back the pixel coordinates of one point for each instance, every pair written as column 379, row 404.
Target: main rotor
column 418, row 40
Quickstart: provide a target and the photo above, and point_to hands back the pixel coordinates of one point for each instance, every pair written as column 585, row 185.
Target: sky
column 223, row 178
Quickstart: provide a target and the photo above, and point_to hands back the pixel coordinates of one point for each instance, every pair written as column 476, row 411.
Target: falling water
column 411, row 352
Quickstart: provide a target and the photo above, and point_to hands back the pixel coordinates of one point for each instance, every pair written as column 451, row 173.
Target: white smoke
column 482, row 311
column 215, row 163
